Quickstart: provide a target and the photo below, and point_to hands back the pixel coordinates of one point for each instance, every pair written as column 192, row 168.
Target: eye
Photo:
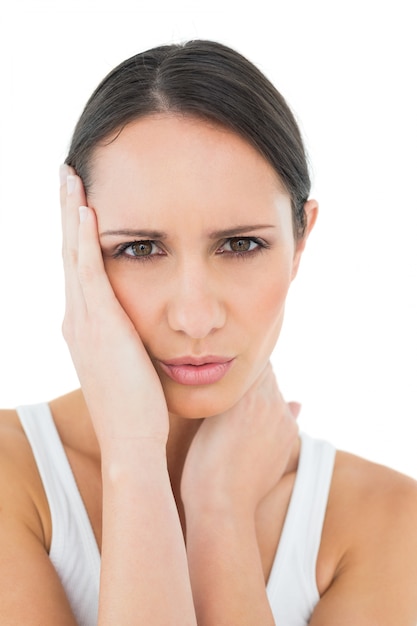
column 241, row 245
column 140, row 248
column 145, row 249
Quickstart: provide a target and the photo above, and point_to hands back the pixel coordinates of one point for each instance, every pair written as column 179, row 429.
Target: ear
column 311, row 209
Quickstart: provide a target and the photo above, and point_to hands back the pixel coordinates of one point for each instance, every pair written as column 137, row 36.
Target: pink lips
column 197, row 370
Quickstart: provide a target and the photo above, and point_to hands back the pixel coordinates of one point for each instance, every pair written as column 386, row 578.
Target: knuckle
column 76, row 335
column 67, row 330
column 70, row 255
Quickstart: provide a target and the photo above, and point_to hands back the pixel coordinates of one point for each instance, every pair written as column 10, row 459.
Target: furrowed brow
column 157, row 234
column 136, row 234
column 238, row 230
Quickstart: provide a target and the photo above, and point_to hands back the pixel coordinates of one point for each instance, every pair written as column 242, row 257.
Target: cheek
column 254, row 300
column 269, row 296
column 273, row 298
column 267, row 312
column 138, row 299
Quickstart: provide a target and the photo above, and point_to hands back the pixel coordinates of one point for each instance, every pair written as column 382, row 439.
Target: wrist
column 144, row 458
column 211, row 512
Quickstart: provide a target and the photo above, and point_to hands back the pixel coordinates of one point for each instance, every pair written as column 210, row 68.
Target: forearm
column 144, row 576
column 226, row 572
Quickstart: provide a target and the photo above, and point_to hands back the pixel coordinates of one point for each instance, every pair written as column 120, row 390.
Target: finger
column 95, row 285
column 64, row 171
column 72, row 196
column 67, row 188
column 295, row 408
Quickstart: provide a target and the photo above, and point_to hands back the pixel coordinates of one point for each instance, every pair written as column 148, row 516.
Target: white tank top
column 291, row 589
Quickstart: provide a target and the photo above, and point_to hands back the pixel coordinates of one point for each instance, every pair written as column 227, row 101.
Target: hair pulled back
column 203, row 79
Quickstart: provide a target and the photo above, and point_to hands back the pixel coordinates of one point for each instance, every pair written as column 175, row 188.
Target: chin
column 198, row 403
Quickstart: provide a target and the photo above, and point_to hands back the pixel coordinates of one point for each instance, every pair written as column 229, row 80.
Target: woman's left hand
column 237, row 457
column 234, row 461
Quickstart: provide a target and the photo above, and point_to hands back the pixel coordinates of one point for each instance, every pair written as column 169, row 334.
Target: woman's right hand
column 120, row 385
column 130, row 417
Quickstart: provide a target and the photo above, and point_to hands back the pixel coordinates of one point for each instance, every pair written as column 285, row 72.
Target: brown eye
column 141, row 248
column 242, row 247
column 242, row 244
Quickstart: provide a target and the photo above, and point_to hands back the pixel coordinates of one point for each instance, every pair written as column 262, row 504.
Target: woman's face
column 197, row 240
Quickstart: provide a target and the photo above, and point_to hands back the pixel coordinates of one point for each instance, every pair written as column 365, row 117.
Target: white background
column 349, row 344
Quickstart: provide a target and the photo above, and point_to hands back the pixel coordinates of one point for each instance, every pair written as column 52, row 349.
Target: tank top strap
column 74, row 551
column 292, row 587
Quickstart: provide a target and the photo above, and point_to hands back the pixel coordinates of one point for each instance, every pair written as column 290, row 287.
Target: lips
column 204, row 370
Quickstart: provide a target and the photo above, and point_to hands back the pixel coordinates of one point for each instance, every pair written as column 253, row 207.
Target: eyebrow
column 157, row 234
column 238, row 230
column 139, row 234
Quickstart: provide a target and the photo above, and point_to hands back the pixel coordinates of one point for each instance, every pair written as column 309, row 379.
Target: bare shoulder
column 30, row 590
column 14, row 448
column 369, row 545
column 21, row 491
column 369, row 494
column 13, row 442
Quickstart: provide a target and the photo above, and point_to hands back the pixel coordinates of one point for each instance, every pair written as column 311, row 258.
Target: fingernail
column 63, row 173
column 83, row 213
column 70, row 184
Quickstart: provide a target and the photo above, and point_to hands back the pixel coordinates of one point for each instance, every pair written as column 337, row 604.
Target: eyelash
column 121, row 251
column 261, row 245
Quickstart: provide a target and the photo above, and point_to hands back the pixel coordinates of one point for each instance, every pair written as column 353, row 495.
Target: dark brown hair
column 203, row 79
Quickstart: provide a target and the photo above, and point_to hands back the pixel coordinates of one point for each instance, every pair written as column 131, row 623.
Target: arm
column 371, row 529
column 226, row 571
column 143, row 552
column 235, row 460
column 144, row 568
column 375, row 582
column 30, row 590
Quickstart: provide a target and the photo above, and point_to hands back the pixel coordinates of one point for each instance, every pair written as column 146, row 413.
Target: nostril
column 197, row 317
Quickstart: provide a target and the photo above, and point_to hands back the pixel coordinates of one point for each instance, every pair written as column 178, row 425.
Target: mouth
column 197, row 370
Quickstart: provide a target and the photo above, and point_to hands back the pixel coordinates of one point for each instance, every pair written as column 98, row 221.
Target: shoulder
column 22, row 498
column 368, row 494
column 30, row 589
column 14, row 447
column 369, row 545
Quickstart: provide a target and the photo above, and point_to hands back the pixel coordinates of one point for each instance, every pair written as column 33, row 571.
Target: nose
column 196, row 306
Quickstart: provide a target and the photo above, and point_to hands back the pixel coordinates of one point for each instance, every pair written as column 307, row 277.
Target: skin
column 190, row 299
column 196, row 457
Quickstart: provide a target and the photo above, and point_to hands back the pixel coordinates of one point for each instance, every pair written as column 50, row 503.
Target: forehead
column 170, row 164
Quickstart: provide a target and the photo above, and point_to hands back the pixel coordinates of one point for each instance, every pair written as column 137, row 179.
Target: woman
column 178, row 468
